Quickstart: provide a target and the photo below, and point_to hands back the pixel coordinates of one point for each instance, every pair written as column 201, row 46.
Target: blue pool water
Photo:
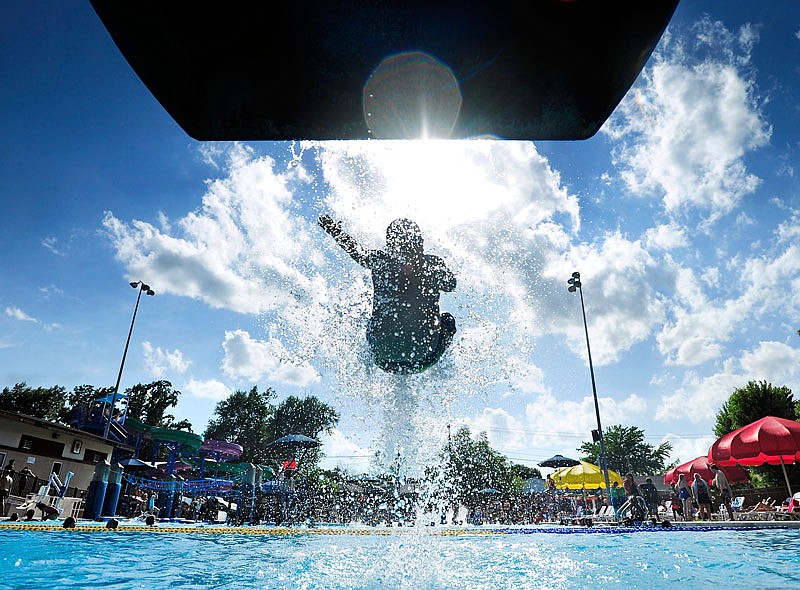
column 424, row 560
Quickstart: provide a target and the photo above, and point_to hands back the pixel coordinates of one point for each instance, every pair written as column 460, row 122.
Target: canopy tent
column 770, row 440
column 734, row 473
column 584, row 476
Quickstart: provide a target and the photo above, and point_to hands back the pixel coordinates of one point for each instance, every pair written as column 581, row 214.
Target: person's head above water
column 403, row 238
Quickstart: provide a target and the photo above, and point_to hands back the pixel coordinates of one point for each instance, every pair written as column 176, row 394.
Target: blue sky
column 682, row 214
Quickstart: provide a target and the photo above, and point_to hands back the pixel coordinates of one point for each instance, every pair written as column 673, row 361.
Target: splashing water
column 326, row 324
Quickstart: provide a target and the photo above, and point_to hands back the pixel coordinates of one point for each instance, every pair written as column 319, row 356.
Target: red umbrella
column 771, row 440
column 734, row 473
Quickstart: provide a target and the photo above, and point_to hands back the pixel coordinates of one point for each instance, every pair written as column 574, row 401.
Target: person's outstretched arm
column 345, row 240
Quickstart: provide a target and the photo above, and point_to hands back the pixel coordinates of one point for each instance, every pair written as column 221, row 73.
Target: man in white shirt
column 721, row 483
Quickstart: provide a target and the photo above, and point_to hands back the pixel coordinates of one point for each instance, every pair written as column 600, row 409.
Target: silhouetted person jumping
column 406, row 332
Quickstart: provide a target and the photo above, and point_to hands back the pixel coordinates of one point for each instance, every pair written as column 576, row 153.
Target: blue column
column 112, row 491
column 96, row 494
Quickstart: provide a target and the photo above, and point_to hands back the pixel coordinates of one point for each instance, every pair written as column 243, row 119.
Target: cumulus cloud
column 244, row 249
column 776, row 361
column 209, row 389
column 666, row 237
column 340, row 451
column 684, row 132
column 251, row 359
column 622, row 284
column 160, row 362
column 699, row 398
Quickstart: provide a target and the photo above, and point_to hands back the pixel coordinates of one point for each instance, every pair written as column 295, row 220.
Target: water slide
column 187, row 440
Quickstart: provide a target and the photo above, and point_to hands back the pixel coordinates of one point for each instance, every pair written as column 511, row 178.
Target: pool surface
column 413, row 559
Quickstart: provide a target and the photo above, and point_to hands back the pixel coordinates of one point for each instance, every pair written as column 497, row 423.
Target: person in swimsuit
column 406, row 333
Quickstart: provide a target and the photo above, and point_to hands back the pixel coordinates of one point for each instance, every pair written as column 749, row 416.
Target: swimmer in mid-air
column 406, row 332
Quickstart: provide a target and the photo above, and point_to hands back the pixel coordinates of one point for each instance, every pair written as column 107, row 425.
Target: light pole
column 142, row 287
column 575, row 284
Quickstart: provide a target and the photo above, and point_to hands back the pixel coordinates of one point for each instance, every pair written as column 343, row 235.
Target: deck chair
column 738, row 503
column 605, row 514
column 763, row 510
column 791, row 511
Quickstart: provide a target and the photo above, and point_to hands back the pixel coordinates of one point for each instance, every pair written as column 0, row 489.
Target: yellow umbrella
column 584, row 476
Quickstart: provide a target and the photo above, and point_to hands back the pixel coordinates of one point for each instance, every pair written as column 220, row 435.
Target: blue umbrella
column 297, row 440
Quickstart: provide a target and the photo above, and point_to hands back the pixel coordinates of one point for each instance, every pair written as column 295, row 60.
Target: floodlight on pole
column 142, row 288
column 575, row 285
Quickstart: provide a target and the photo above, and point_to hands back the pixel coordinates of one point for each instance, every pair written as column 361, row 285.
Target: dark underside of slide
column 236, row 70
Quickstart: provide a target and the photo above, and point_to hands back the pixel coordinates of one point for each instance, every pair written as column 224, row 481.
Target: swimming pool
column 420, row 559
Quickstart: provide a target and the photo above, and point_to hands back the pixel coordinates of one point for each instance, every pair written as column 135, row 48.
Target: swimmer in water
column 406, row 332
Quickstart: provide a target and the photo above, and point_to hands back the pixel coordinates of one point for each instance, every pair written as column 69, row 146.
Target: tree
column 307, row 416
column 627, row 452
column 752, row 402
column 472, row 465
column 148, row 404
column 243, row 418
column 82, row 396
column 41, row 402
column 525, row 472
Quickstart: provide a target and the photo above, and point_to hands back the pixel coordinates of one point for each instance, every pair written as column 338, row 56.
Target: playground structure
column 217, row 469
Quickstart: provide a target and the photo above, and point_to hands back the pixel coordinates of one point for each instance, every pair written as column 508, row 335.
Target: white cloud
column 342, row 452
column 503, row 430
column 568, row 423
column 685, row 131
column 242, row 250
column 773, row 361
column 247, row 358
column 210, row 389
column 666, row 237
column 159, row 361
column 18, row 314
column 699, row 327
column 699, row 398
column 51, row 243
column 621, row 283
column 687, row 448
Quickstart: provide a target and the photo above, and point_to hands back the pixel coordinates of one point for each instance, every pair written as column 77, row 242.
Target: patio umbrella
column 771, row 440
column 584, row 475
column 297, row 440
column 557, row 461
column 734, row 473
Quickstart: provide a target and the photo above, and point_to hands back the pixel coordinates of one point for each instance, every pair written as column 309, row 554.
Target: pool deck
column 447, row 531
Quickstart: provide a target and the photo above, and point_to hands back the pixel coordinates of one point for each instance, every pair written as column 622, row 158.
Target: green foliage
column 40, row 402
column 752, row 402
column 251, row 420
column 627, row 451
column 472, row 465
column 82, row 395
column 524, row 472
column 148, row 403
column 307, row 416
column 243, row 418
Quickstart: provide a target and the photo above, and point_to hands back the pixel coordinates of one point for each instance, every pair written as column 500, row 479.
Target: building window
column 77, row 445
column 56, row 467
column 27, row 443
